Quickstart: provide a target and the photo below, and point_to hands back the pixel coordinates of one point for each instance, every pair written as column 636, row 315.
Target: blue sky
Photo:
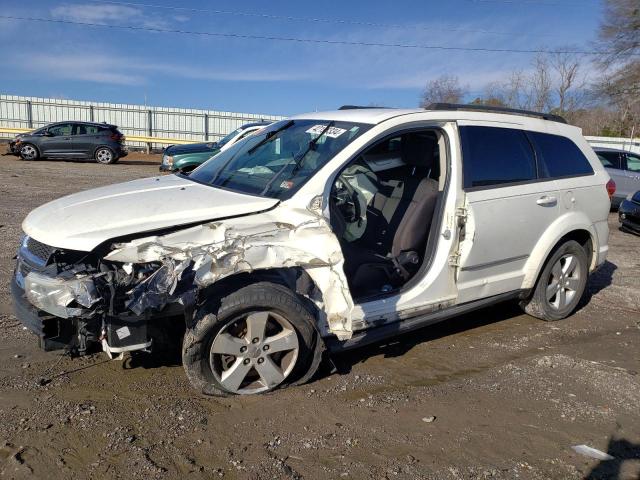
column 278, row 77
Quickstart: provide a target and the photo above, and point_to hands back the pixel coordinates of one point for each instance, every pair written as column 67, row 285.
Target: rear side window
column 88, row 130
column 609, row 159
column 633, row 162
column 495, row 156
column 560, row 156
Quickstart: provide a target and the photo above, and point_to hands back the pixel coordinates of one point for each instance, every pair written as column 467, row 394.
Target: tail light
column 117, row 136
column 611, row 187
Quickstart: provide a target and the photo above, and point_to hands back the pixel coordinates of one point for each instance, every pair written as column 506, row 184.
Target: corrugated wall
column 140, row 120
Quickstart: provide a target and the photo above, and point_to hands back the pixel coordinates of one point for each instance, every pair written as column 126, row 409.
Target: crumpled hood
column 84, row 220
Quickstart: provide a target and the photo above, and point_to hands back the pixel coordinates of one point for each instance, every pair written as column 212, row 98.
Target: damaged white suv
column 325, row 231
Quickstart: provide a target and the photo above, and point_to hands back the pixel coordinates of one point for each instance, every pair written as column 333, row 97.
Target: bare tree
column 570, row 84
column 445, row 88
column 620, row 41
column 539, row 87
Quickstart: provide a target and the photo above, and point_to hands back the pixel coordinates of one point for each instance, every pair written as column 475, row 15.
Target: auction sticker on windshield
column 333, row 132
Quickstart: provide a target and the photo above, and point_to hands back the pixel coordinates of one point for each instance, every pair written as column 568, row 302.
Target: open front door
column 423, row 247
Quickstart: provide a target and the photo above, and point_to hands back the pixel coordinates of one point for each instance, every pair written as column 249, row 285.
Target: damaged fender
column 218, row 249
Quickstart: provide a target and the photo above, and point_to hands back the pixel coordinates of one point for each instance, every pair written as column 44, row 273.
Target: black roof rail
column 356, row 107
column 494, row 109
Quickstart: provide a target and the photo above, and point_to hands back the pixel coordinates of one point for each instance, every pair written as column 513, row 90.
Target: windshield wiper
column 297, row 159
column 270, row 135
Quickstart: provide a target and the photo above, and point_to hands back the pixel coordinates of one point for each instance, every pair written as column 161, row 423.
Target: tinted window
column 61, row 130
column 633, row 162
column 560, row 156
column 493, row 156
column 609, row 159
column 88, row 129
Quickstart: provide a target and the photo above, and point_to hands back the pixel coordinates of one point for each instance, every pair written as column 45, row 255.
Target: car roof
column 374, row 116
column 80, row 122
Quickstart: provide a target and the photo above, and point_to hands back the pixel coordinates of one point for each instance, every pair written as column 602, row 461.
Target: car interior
column 382, row 207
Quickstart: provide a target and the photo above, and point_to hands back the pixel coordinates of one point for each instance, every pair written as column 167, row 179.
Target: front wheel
column 29, row 152
column 561, row 284
column 254, row 340
column 105, row 156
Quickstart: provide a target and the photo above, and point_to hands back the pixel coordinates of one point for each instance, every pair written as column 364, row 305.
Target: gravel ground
column 492, row 394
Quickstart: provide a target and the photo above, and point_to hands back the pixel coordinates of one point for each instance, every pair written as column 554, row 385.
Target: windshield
column 278, row 160
column 225, row 140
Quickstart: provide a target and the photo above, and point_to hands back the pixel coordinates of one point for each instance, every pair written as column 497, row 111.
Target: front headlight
column 167, row 160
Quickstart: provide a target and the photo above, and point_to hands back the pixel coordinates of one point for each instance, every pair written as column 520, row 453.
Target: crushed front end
column 71, row 299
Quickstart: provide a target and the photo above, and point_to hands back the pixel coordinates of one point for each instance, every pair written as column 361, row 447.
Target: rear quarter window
column 496, row 156
column 560, row 156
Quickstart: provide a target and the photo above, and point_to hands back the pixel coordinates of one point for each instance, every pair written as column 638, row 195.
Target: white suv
column 324, row 231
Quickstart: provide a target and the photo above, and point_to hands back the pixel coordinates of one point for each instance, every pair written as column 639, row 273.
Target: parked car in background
column 66, row 140
column 184, row 158
column 624, row 168
column 629, row 213
column 327, row 230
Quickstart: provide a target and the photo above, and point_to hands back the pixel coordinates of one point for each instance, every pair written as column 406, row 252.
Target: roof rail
column 493, row 109
column 356, row 107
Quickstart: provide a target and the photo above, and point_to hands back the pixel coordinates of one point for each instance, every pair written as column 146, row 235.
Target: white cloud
column 96, row 13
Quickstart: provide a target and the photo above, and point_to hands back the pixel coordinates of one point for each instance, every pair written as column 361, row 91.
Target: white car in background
column 624, row 168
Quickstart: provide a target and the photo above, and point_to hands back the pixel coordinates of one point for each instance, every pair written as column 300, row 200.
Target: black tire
column 547, row 308
column 29, row 151
column 216, row 315
column 105, row 156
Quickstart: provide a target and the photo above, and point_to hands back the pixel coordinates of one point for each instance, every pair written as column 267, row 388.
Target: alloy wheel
column 254, row 353
column 104, row 155
column 28, row 152
column 564, row 282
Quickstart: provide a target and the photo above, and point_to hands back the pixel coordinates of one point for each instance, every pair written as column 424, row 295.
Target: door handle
column 547, row 201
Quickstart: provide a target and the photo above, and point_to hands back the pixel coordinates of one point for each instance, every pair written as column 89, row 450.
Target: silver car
column 624, row 168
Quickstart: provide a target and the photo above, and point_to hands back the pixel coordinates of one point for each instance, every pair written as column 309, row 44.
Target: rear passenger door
column 86, row 139
column 508, row 209
column 613, row 162
column 632, row 173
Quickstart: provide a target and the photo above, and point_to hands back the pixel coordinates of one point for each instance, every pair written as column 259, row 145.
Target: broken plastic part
column 54, row 295
column 157, row 289
column 216, row 250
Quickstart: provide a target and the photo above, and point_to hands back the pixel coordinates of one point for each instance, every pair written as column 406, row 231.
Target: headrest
column 419, row 149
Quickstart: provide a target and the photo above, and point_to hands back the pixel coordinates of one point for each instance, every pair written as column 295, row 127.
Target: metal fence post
column 91, row 117
column 206, row 127
column 149, row 129
column 29, row 114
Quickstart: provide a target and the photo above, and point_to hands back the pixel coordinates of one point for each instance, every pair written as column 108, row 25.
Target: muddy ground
column 493, row 394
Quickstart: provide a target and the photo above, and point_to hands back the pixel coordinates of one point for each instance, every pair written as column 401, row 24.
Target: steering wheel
column 352, row 207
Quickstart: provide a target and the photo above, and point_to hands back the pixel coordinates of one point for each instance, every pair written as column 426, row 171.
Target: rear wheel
column 29, row 152
column 105, row 156
column 254, row 340
column 561, row 284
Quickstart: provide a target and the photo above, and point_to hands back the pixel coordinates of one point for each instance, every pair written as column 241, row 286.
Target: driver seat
column 397, row 231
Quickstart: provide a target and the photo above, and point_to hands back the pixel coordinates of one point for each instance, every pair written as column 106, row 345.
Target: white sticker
column 333, row 132
column 123, row 332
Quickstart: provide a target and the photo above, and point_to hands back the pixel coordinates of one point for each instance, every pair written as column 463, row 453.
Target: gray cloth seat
column 399, row 218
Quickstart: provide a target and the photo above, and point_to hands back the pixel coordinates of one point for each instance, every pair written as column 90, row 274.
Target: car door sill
column 376, row 334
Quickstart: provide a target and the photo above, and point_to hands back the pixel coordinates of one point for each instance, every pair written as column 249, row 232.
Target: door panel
column 503, row 226
column 60, row 143
column 632, row 173
column 86, row 138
